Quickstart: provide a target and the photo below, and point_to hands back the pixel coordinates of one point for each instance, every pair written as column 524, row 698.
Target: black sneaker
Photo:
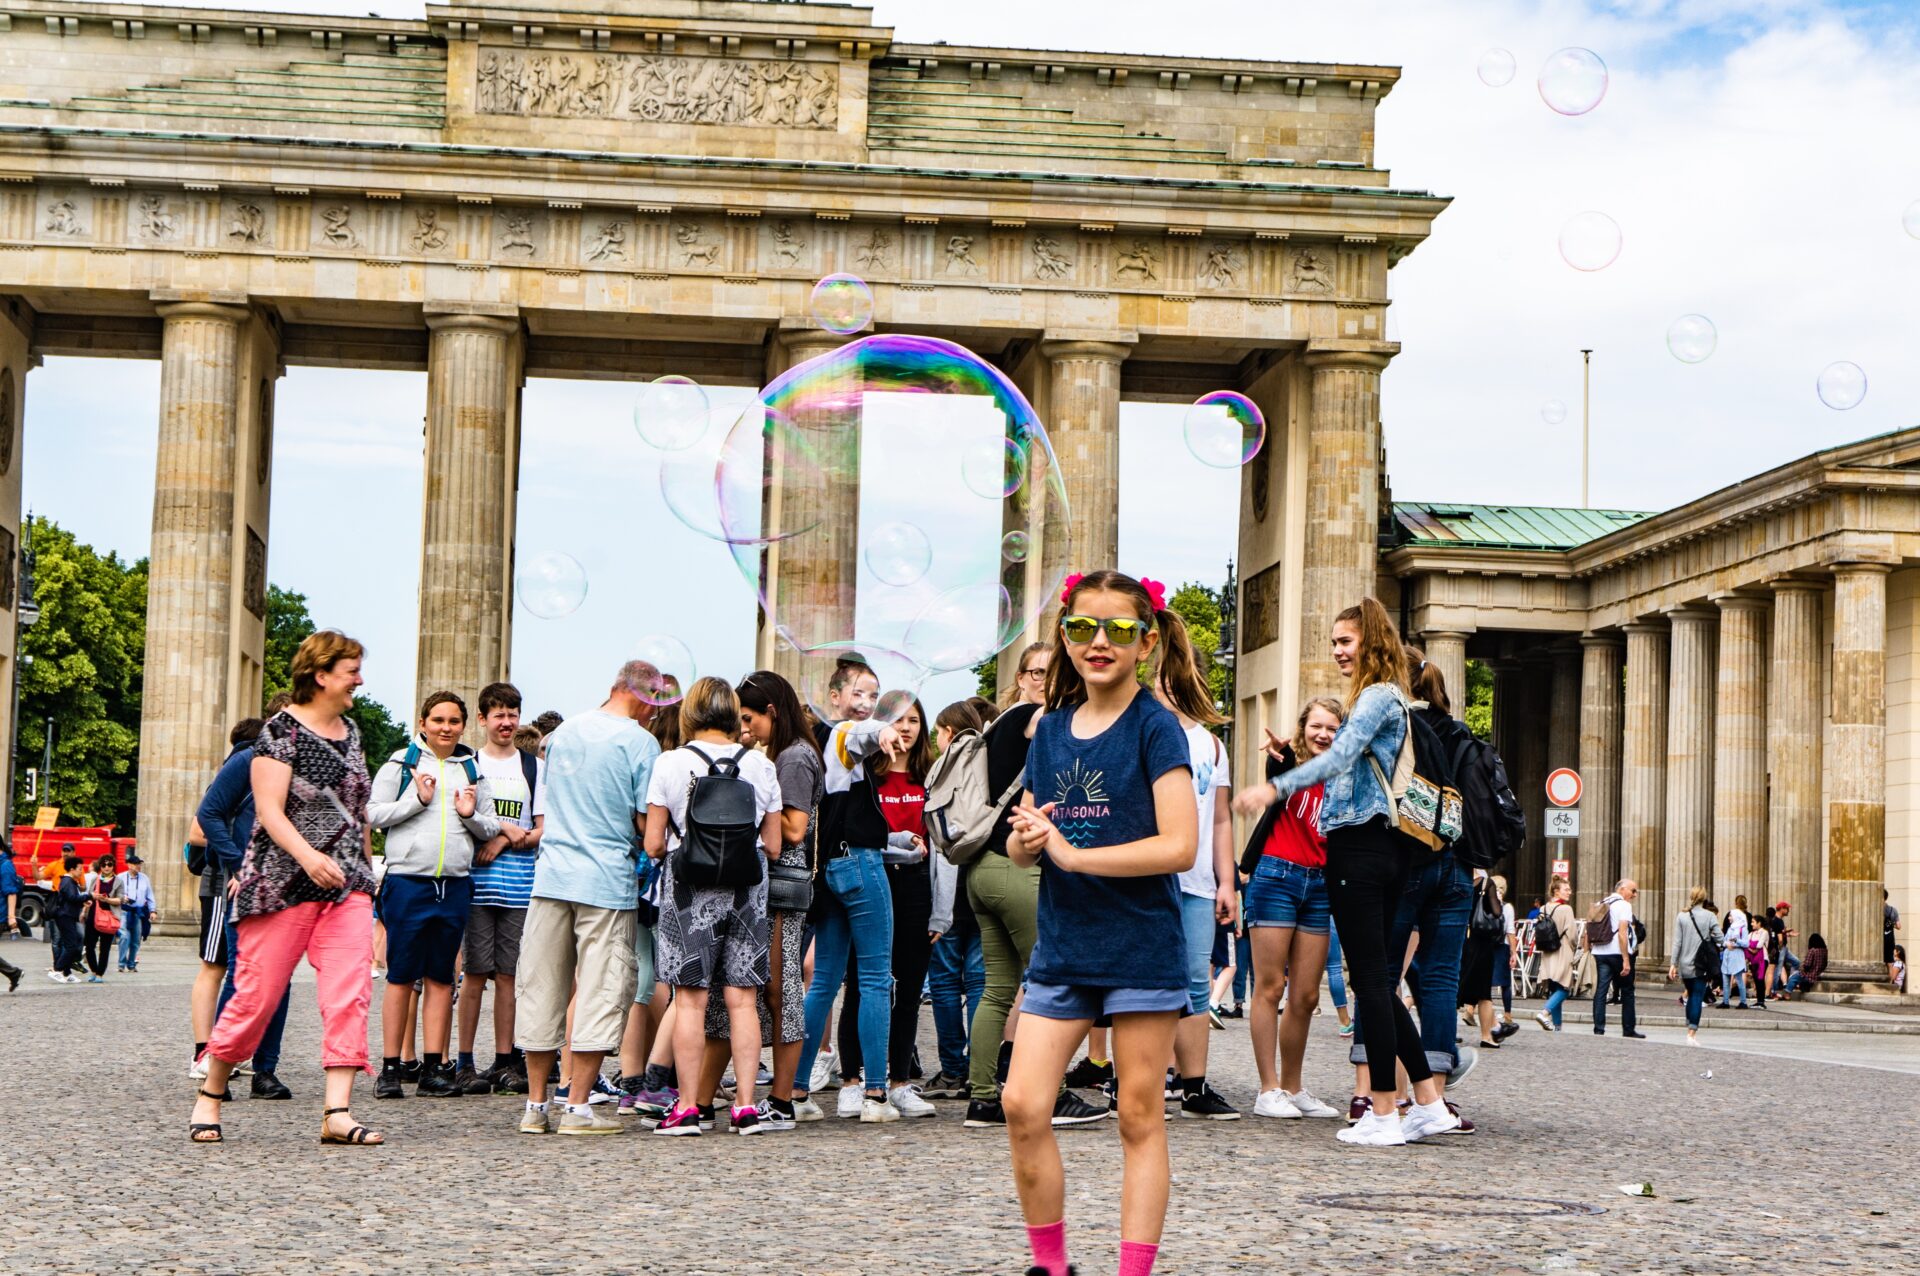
column 267, row 1086
column 1088, row 1075
column 1172, row 1092
column 387, row 1086
column 1205, row 1104
column 440, row 1083
column 1041, row 1271
column 467, row 1081
column 1071, row 1109
column 1637, row 1036
column 410, row 1071
column 984, row 1114
column 509, row 1080
column 1502, row 1031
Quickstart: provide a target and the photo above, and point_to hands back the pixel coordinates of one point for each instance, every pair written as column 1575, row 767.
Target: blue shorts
column 425, row 919
column 1283, row 893
column 1196, row 917
column 1078, row 1001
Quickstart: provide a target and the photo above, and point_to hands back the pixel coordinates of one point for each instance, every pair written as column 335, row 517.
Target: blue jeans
column 1697, row 990
column 1729, row 980
column 1196, row 918
column 1556, row 999
column 1336, row 972
column 1785, row 969
column 1242, row 966
column 130, row 938
column 858, row 917
column 1437, row 902
column 267, row 1057
column 956, row 979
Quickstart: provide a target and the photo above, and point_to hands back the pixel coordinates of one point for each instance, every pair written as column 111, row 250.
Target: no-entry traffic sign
column 1563, row 787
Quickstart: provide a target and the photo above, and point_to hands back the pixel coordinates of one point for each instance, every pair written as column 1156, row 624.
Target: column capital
column 1797, row 584
column 1861, row 568
column 1371, row 355
column 1644, row 627
column 1102, row 347
column 1736, row 601
column 224, row 311
column 811, row 340
column 1602, row 640
column 1691, row 613
column 1460, row 635
column 472, row 316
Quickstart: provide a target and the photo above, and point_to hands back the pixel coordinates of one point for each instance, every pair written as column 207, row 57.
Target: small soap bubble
column 1496, row 68
column 1015, row 546
column 1590, row 241
column 673, row 667
column 1842, row 385
column 1692, row 338
column 895, row 705
column 1572, row 81
column 841, row 304
column 672, row 413
column 898, row 553
column 994, row 469
column 1910, row 220
column 1224, row 429
column 1553, row 412
column 551, row 585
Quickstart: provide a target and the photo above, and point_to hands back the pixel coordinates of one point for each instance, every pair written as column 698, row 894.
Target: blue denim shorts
column 1283, row 893
column 1078, row 1001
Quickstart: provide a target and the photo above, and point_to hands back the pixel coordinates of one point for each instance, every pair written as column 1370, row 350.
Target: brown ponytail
column 1426, row 681
column 1179, row 674
column 1379, row 656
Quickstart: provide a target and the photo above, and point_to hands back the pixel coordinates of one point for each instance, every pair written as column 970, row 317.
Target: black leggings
column 99, row 949
column 1366, row 870
column 912, row 889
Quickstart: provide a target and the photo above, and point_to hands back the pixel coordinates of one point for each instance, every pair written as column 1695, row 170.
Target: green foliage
column 81, row 668
column 987, row 677
column 1479, row 709
column 288, row 624
column 1200, row 608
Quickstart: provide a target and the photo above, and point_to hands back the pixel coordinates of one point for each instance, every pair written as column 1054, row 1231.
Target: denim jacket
column 1354, row 793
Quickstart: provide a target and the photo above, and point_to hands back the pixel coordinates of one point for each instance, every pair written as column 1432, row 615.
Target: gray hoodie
column 431, row 839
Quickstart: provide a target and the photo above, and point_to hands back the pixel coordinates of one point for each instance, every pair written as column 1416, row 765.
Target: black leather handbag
column 790, row 886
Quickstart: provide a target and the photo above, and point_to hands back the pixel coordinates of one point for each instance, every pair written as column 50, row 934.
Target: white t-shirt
column 1506, row 910
column 676, row 769
column 1619, row 913
column 1210, row 776
column 508, row 784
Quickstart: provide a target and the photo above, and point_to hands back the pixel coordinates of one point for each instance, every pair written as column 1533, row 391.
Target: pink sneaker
column 680, row 1121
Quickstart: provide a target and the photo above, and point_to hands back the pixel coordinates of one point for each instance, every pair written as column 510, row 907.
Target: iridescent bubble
column 898, row 553
column 730, row 470
column 1910, row 220
column 1553, row 412
column 551, row 585
column 894, row 705
column 673, row 665
column 1842, row 385
column 841, row 303
column 962, row 627
column 672, row 413
column 1572, row 81
column 1692, row 338
column 1015, row 546
column 994, row 469
column 1590, row 241
column 1224, row 429
column 1496, row 68
column 813, row 674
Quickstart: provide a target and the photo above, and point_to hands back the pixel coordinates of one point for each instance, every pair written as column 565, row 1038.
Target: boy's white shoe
column 908, row 1101
column 807, row 1110
column 1274, row 1103
column 1423, row 1119
column 872, row 1110
column 1374, row 1131
column 850, row 1100
column 1309, row 1106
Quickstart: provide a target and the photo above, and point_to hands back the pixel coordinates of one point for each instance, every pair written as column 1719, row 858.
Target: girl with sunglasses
column 1110, row 817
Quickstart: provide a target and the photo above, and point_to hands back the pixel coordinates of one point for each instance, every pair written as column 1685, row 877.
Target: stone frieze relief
column 659, row 90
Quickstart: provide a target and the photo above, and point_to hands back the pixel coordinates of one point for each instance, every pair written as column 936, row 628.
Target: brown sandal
column 359, row 1135
column 197, row 1129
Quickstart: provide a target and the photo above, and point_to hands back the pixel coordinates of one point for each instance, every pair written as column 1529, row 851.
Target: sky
column 1757, row 156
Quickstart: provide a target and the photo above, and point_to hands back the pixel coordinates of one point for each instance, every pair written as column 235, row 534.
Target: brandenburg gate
column 622, row 189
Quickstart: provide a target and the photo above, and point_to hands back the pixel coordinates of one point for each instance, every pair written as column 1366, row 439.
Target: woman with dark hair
column 102, row 923
column 1812, row 966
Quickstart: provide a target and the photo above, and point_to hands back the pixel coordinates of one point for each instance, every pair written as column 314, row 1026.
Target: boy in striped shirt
column 502, row 885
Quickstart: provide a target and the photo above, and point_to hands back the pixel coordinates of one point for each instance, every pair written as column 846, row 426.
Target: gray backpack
column 961, row 813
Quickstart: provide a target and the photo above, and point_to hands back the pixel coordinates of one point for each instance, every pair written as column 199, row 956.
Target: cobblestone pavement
column 99, row 1100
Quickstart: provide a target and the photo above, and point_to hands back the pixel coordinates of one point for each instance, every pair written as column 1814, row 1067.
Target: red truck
column 39, row 853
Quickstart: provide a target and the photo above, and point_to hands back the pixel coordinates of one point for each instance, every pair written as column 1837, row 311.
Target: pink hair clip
column 1066, row 591
column 1156, row 593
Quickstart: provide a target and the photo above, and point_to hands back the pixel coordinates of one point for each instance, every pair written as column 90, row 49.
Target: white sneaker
column 807, row 1110
column 873, row 1110
column 908, row 1101
column 1310, row 1106
column 1540, row 1017
column 1374, row 1131
column 1274, row 1103
column 851, row 1096
column 823, row 1069
column 1425, row 1119
column 199, row 1069
column 1692, row 1040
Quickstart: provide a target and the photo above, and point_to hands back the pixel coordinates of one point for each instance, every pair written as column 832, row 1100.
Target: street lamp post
column 26, row 610
column 1225, row 651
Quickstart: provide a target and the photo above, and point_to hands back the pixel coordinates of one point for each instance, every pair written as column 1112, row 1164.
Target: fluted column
column 1690, row 696
column 190, row 596
column 1794, row 720
column 474, row 363
column 1857, row 769
column 1342, row 500
column 1447, row 651
column 1643, row 778
column 1083, row 395
column 1740, row 753
column 1596, row 861
column 16, row 357
column 1529, row 771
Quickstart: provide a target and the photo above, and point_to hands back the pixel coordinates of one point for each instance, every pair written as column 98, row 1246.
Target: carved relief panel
column 519, row 234
column 697, row 243
column 787, row 244
column 7, row 561
column 428, row 229
column 339, row 225
column 157, row 219
column 253, row 577
column 246, row 221
column 963, row 252
column 9, row 423
column 659, row 90
column 64, row 215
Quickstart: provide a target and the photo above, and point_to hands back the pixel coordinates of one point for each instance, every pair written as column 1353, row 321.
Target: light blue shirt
column 598, row 766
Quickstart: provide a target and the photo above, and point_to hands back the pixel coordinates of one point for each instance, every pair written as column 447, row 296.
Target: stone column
column 474, row 363
column 16, row 357
column 1506, row 711
column 1643, row 787
column 190, row 596
column 810, row 582
column 1447, row 650
column 1084, row 396
column 1794, row 721
column 1740, row 754
column 1342, row 500
column 1596, row 859
column 1529, row 774
column 1690, row 696
column 1857, row 771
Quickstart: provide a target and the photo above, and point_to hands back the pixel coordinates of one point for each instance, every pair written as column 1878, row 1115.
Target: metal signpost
column 1562, row 824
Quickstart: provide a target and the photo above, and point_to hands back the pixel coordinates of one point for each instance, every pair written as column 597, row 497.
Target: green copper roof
column 1505, row 526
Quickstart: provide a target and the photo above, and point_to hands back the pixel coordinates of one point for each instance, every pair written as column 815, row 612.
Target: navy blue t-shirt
column 1107, row 932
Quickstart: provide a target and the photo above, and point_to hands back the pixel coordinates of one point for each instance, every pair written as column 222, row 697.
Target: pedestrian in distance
column 135, row 890
column 102, row 920
column 1696, row 947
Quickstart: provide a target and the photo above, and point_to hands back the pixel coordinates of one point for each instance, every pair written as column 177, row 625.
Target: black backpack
column 1493, row 825
column 1546, row 935
column 720, row 848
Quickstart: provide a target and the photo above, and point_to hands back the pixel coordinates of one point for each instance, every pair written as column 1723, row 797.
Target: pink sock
column 1049, row 1245
column 1136, row 1258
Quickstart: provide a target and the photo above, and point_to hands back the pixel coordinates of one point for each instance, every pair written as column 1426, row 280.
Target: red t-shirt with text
column 1296, row 832
column 902, row 802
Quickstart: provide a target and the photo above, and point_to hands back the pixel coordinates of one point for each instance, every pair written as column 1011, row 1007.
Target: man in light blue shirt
column 135, row 889
column 582, row 931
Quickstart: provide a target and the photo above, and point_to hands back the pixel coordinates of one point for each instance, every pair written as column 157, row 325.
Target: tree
column 1199, row 607
column 1478, row 714
column 80, row 668
column 288, row 624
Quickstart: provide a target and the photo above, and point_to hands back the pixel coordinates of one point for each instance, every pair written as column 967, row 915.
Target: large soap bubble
column 1496, row 68
column 671, row 413
column 947, row 436
column 674, row 670
column 1590, row 241
column 1224, row 429
column 860, row 696
column 1572, row 81
column 551, row 585
column 1842, row 385
column 730, row 468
